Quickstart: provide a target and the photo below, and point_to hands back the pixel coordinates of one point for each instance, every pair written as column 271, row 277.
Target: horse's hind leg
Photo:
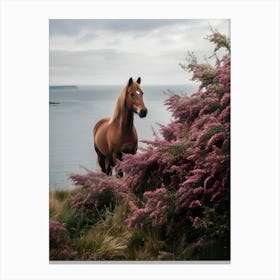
column 101, row 160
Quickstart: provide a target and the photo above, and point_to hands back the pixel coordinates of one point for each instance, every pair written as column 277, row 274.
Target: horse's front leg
column 118, row 156
column 109, row 165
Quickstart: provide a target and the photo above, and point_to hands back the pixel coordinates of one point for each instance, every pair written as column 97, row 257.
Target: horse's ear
column 130, row 82
column 139, row 80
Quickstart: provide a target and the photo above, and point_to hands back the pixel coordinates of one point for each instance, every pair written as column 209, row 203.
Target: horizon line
column 61, row 85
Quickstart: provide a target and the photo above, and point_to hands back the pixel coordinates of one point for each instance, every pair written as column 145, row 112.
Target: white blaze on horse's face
column 134, row 100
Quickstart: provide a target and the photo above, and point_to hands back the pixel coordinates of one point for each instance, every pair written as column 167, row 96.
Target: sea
column 73, row 112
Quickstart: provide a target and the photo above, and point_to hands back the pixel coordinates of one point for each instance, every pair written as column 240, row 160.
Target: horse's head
column 134, row 98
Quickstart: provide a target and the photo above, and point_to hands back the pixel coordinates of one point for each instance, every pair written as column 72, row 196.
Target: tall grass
column 107, row 239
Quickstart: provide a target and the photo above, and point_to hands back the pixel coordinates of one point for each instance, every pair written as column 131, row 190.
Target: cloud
column 75, row 27
column 108, row 51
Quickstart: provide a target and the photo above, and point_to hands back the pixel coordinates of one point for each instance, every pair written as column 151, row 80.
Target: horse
column 117, row 135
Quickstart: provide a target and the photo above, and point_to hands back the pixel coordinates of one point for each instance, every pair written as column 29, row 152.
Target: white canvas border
column 255, row 138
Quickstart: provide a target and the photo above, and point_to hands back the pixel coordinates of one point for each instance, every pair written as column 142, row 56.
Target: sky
column 107, row 52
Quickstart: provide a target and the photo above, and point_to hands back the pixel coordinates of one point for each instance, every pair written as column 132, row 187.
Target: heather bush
column 61, row 211
column 177, row 188
column 185, row 177
column 98, row 195
column 60, row 248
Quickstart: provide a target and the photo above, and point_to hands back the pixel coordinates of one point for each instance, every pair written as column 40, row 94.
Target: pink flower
column 216, row 139
column 195, row 203
column 196, row 221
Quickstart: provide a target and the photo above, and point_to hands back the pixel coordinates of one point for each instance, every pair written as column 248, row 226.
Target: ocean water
column 76, row 111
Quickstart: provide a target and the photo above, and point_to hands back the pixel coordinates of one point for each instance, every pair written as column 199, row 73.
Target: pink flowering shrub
column 97, row 196
column 185, row 177
column 156, row 211
column 180, row 184
column 60, row 248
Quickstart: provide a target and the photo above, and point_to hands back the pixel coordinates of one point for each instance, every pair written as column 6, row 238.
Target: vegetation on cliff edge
column 173, row 202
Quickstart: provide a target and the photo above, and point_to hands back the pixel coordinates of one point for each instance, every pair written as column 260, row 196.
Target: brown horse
column 116, row 135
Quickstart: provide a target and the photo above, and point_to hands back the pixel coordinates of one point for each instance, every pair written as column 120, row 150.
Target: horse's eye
column 132, row 94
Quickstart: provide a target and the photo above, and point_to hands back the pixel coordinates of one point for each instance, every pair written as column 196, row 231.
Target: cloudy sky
column 85, row 52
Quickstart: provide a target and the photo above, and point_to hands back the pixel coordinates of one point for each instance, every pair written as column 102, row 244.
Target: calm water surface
column 72, row 121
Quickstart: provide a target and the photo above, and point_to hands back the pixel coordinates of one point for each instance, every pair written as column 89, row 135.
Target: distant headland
column 64, row 87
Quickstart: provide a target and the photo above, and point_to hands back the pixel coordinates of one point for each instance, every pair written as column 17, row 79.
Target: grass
column 109, row 238
column 61, row 211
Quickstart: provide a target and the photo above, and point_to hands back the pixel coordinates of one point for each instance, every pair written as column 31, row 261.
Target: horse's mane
column 119, row 104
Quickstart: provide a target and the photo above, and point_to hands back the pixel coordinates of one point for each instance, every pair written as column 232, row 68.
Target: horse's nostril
column 143, row 113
